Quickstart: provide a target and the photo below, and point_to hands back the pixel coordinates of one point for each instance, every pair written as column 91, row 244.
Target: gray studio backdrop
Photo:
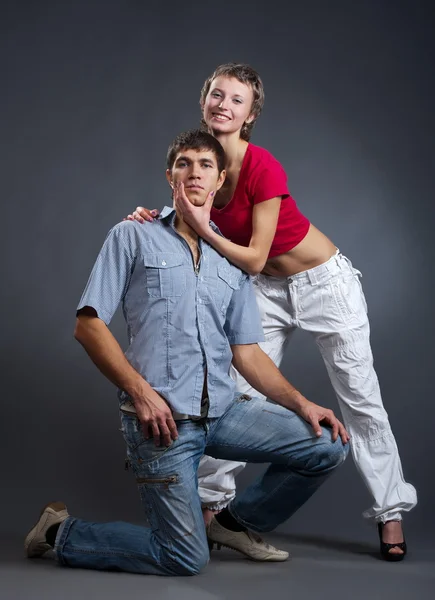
column 92, row 94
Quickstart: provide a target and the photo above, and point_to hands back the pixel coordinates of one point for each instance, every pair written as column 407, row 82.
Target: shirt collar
column 168, row 213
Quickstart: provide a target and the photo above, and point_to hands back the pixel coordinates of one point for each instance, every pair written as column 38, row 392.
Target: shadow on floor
column 328, row 543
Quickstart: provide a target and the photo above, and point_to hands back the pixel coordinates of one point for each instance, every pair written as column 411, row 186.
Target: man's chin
column 196, row 199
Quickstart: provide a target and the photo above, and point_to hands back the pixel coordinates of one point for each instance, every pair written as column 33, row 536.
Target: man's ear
column 221, row 179
column 169, row 178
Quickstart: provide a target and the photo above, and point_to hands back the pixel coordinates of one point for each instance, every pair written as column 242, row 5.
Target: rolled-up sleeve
column 110, row 276
column 243, row 321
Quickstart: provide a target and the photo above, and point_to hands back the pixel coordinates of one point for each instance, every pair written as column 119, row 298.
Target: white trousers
column 327, row 301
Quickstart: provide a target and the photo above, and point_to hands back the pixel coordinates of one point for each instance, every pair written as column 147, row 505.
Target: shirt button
column 164, row 263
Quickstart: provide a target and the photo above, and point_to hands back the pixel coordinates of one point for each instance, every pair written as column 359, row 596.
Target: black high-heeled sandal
column 385, row 548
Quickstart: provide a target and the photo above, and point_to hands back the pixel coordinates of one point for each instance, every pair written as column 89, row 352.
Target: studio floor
column 319, row 568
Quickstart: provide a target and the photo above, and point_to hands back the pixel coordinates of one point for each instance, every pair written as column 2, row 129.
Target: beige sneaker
column 247, row 542
column 35, row 543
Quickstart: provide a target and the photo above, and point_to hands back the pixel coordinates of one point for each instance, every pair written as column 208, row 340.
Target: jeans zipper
column 164, row 480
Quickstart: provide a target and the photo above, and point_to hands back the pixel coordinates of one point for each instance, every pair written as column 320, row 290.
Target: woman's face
column 228, row 105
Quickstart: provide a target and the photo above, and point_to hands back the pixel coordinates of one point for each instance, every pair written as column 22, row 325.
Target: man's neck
column 184, row 229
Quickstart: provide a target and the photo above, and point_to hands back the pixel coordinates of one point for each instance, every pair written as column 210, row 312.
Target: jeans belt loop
column 312, row 276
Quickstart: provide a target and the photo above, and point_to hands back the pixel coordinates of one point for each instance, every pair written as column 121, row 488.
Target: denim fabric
column 250, row 429
column 180, row 322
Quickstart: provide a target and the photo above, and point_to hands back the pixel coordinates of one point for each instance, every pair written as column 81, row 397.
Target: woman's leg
column 335, row 312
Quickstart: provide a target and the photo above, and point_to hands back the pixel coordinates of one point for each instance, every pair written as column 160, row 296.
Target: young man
column 190, row 313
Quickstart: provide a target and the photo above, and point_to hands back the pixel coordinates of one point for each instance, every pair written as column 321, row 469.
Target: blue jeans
column 250, row 430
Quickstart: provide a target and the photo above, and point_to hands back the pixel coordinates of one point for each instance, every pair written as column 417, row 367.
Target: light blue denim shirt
column 180, row 322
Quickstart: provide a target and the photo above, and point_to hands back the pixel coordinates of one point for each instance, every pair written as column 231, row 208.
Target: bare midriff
column 314, row 250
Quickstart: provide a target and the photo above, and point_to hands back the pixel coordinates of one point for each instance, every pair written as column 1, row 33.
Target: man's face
column 198, row 171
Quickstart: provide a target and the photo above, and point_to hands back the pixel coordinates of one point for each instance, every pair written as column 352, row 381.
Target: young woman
column 301, row 280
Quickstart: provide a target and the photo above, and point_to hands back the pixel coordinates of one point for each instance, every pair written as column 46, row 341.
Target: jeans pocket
column 167, row 501
column 348, row 295
column 140, row 450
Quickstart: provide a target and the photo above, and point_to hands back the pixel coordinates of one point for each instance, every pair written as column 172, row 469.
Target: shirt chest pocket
column 228, row 281
column 165, row 275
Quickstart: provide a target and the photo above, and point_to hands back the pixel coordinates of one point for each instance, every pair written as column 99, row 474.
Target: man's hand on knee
column 316, row 415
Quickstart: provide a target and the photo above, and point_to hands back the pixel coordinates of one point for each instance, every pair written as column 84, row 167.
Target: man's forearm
column 263, row 375
column 153, row 412
column 107, row 355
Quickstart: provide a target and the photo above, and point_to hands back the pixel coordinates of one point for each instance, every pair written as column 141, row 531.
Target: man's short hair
column 198, row 140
